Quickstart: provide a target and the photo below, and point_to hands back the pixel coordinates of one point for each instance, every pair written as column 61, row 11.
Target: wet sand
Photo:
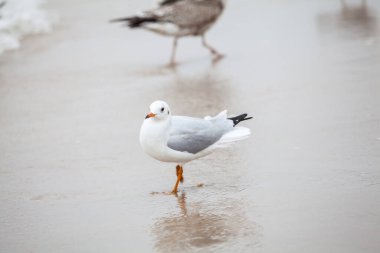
column 73, row 177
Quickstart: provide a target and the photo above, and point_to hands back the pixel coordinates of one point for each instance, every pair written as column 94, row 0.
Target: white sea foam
column 19, row 18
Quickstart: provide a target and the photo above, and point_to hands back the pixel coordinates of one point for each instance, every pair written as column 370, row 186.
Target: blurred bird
column 180, row 139
column 179, row 18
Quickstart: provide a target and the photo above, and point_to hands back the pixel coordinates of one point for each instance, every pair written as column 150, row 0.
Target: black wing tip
column 135, row 21
column 237, row 119
column 120, row 20
column 116, row 20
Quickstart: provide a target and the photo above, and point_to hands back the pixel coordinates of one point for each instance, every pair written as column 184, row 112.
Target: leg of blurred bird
column 174, row 49
column 212, row 50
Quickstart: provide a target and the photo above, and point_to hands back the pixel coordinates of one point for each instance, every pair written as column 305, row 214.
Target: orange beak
column 150, row 115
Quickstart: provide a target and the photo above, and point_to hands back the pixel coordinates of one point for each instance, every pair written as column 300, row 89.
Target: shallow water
column 74, row 179
column 19, row 18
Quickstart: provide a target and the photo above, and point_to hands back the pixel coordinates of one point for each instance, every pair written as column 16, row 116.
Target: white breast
column 153, row 139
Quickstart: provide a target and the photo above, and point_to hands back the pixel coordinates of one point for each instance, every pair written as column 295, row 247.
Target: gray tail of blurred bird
column 135, row 21
column 237, row 119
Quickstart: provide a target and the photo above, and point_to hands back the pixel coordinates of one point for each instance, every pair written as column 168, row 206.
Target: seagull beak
column 150, row 115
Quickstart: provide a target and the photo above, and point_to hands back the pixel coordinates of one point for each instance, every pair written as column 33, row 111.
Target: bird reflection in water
column 199, row 227
column 203, row 92
column 352, row 20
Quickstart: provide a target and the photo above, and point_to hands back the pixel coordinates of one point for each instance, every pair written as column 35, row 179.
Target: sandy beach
column 73, row 177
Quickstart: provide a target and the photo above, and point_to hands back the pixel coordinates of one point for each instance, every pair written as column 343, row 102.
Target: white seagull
column 179, row 18
column 181, row 139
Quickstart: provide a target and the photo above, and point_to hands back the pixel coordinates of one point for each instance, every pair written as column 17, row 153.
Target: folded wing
column 193, row 135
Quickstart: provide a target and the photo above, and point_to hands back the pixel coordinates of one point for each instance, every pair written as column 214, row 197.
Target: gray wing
column 194, row 135
column 188, row 13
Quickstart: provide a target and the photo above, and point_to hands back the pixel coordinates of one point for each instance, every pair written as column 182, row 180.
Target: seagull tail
column 237, row 119
column 237, row 134
column 134, row 21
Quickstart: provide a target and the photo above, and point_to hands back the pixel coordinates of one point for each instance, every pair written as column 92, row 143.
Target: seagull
column 179, row 18
column 181, row 139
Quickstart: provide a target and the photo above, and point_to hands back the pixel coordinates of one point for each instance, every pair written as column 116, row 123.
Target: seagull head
column 158, row 110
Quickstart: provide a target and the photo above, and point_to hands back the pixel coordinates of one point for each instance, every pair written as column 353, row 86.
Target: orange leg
column 179, row 171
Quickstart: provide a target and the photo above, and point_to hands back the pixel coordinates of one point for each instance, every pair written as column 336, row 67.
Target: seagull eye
column 162, row 109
